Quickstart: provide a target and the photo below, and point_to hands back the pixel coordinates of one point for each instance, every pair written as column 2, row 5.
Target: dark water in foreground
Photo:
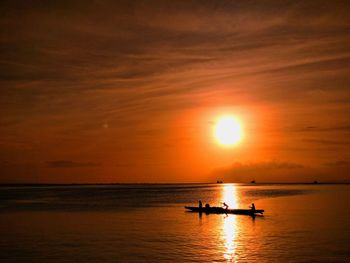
column 147, row 223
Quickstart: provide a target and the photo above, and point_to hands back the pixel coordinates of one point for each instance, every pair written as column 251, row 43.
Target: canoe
column 220, row 210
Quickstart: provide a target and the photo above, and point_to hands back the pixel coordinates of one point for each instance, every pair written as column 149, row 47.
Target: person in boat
column 252, row 207
column 200, row 205
column 225, row 206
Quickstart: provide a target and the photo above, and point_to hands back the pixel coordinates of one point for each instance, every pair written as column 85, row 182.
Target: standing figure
column 200, row 205
column 252, row 207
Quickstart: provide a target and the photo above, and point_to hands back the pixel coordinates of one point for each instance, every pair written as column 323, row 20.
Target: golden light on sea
column 229, row 228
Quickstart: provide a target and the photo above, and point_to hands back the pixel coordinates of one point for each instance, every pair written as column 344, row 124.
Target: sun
column 228, row 131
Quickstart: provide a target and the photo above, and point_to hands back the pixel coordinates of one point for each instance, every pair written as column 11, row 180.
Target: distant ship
column 219, row 182
column 253, row 182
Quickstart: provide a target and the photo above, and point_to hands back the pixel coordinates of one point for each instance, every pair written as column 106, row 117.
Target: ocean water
column 148, row 223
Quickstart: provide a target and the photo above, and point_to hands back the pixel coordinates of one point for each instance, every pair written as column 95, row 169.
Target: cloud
column 70, row 164
column 339, row 163
column 328, row 142
column 272, row 171
column 335, row 128
column 272, row 165
column 277, row 171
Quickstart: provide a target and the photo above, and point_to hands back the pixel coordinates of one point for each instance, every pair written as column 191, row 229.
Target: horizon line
column 159, row 183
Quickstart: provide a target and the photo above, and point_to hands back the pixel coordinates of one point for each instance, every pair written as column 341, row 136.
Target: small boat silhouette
column 221, row 210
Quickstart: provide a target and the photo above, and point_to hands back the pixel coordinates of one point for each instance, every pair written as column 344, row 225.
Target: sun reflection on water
column 229, row 227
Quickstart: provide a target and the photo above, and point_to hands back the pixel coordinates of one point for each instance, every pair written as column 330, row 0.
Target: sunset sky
column 131, row 91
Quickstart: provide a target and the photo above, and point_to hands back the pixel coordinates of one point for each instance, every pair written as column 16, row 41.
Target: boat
column 221, row 210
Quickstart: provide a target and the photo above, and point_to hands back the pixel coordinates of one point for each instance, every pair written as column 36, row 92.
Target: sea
column 148, row 223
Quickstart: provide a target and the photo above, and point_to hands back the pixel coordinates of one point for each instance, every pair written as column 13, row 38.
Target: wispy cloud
column 339, row 163
column 328, row 142
column 344, row 128
column 70, row 164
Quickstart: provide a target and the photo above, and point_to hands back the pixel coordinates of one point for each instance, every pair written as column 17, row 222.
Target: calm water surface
column 147, row 223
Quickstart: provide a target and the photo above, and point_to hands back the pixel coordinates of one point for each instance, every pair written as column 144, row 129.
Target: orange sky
column 117, row 91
